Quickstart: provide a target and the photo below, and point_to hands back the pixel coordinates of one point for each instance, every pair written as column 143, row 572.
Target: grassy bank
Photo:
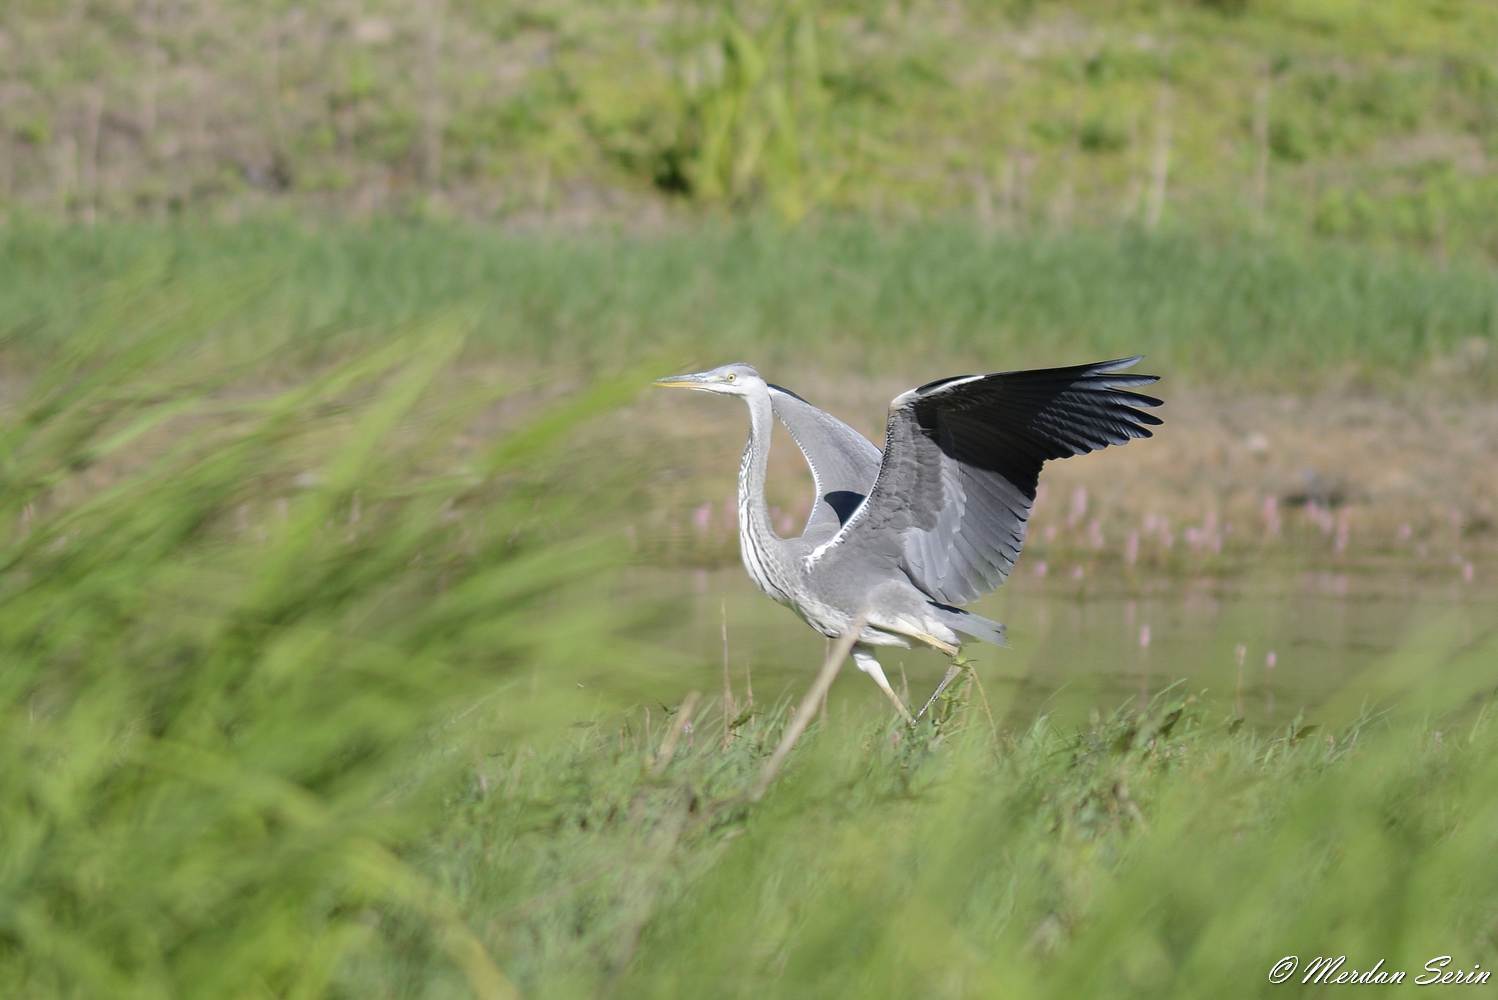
column 852, row 298
column 1365, row 120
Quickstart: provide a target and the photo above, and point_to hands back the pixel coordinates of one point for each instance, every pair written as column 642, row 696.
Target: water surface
column 1269, row 647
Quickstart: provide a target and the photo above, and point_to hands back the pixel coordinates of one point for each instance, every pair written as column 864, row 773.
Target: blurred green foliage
column 241, row 620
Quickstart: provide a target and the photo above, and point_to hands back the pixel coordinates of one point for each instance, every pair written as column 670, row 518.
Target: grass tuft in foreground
column 1163, row 851
column 241, row 620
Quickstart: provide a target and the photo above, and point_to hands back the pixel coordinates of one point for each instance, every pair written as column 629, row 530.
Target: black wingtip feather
column 1117, row 364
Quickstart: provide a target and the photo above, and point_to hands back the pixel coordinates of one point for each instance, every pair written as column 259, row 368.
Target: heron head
column 727, row 380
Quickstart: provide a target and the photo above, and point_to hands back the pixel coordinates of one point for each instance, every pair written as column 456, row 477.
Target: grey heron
column 901, row 538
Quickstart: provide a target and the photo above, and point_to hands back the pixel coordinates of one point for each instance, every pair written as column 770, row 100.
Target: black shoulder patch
column 843, row 503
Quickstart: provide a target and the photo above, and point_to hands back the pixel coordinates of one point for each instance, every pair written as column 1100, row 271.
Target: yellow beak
column 680, row 382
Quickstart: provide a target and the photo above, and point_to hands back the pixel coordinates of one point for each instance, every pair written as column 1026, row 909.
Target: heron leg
column 866, row 662
column 937, row 644
column 924, row 638
column 951, row 675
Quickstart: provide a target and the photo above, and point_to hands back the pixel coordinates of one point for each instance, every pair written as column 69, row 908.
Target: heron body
column 900, row 538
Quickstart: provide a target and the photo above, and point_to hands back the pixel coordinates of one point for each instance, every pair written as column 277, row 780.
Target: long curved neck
column 754, row 513
column 762, row 549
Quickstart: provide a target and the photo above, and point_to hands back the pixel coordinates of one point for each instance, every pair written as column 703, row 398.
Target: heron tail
column 969, row 624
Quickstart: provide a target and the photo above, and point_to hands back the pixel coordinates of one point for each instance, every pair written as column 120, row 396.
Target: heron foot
column 957, row 666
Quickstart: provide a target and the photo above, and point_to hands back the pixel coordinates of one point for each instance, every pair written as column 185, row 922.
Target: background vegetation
column 850, row 297
column 1361, row 120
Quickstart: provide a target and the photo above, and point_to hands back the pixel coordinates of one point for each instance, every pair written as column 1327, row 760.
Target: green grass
column 321, row 676
column 241, row 621
column 1377, row 120
column 1147, row 854
column 851, row 297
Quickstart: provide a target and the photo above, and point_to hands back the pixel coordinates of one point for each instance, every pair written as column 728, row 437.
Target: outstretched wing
column 961, row 460
column 843, row 462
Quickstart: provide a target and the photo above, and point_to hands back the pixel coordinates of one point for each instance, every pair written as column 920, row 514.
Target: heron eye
column 731, row 376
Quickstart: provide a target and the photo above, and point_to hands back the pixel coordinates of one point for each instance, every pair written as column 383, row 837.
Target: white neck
column 754, row 513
